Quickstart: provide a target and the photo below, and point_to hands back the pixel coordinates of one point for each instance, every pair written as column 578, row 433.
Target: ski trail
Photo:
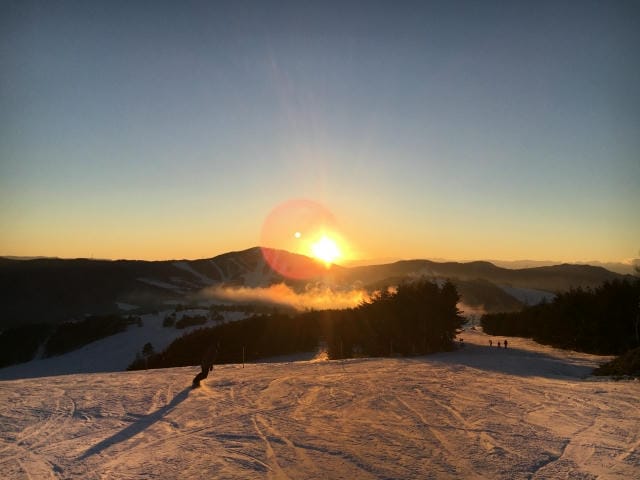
column 463, row 414
column 275, row 472
column 632, row 451
column 300, row 456
column 31, row 465
column 223, row 277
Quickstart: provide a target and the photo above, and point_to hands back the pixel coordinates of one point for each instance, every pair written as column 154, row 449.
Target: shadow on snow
column 138, row 426
column 518, row 361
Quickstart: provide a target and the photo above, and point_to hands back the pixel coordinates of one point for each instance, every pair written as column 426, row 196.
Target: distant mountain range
column 54, row 290
column 627, row 268
column 617, row 267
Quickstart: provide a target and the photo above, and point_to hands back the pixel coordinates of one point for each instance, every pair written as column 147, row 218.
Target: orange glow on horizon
column 304, row 227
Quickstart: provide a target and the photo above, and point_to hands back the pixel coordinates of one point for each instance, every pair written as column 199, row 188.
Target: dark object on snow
column 627, row 364
column 498, row 344
column 505, row 343
column 490, row 343
column 206, row 365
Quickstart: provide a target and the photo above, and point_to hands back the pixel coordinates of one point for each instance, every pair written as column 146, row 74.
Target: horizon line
column 628, row 262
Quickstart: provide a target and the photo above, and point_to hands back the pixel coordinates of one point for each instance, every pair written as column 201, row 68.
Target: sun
column 303, row 227
column 326, row 250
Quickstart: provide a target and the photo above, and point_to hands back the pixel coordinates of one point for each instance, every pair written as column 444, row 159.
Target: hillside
column 54, row 290
column 549, row 278
column 113, row 353
column 479, row 412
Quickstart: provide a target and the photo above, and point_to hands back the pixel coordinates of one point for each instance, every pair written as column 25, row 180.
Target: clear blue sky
column 430, row 129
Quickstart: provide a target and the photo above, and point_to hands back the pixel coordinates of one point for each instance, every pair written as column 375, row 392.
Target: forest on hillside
column 20, row 344
column 602, row 320
column 417, row 318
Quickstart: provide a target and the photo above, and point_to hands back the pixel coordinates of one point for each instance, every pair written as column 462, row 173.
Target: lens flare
column 302, row 227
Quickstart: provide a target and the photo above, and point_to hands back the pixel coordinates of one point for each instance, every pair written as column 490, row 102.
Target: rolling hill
column 55, row 290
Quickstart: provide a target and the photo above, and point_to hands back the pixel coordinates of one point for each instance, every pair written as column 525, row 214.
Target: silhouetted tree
column 602, row 320
column 418, row 318
column 147, row 350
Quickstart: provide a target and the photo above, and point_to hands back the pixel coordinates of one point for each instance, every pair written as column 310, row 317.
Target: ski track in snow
column 188, row 268
column 528, row 412
column 221, row 274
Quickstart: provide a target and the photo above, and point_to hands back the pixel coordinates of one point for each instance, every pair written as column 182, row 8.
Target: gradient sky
column 461, row 130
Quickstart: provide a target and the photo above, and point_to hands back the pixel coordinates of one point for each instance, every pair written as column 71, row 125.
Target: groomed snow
column 528, row 296
column 114, row 353
column 479, row 412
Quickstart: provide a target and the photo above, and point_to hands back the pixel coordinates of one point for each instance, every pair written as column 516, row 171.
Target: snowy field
column 114, row 353
column 479, row 412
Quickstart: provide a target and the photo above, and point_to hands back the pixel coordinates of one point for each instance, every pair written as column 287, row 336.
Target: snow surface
column 479, row 412
column 260, row 276
column 114, row 353
column 160, row 284
column 126, row 306
column 186, row 267
column 222, row 275
column 528, row 296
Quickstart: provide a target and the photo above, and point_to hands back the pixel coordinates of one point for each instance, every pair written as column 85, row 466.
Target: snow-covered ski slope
column 113, row 353
column 479, row 412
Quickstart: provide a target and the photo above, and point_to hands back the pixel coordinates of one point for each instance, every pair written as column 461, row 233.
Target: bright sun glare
column 325, row 249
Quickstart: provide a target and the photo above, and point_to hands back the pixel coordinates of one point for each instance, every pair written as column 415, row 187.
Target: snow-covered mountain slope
column 479, row 412
column 114, row 353
column 528, row 296
column 57, row 290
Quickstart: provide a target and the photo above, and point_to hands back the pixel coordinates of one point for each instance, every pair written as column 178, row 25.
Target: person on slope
column 206, row 364
column 505, row 343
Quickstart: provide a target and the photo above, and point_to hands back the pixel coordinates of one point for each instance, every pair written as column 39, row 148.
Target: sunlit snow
column 479, row 412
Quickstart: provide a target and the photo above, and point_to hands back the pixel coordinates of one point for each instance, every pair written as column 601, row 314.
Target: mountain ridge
column 54, row 290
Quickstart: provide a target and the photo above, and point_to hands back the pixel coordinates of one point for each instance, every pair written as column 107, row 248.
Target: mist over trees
column 603, row 320
column 417, row 318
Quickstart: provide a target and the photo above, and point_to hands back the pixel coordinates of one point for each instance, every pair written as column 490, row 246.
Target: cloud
column 314, row 297
column 471, row 310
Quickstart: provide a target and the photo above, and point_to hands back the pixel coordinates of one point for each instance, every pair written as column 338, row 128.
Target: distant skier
column 498, row 344
column 505, row 343
column 206, row 365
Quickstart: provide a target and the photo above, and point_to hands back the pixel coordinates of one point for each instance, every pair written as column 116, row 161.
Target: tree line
column 417, row 318
column 603, row 320
column 20, row 344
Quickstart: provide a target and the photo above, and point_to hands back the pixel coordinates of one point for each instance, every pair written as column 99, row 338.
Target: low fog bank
column 314, row 297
